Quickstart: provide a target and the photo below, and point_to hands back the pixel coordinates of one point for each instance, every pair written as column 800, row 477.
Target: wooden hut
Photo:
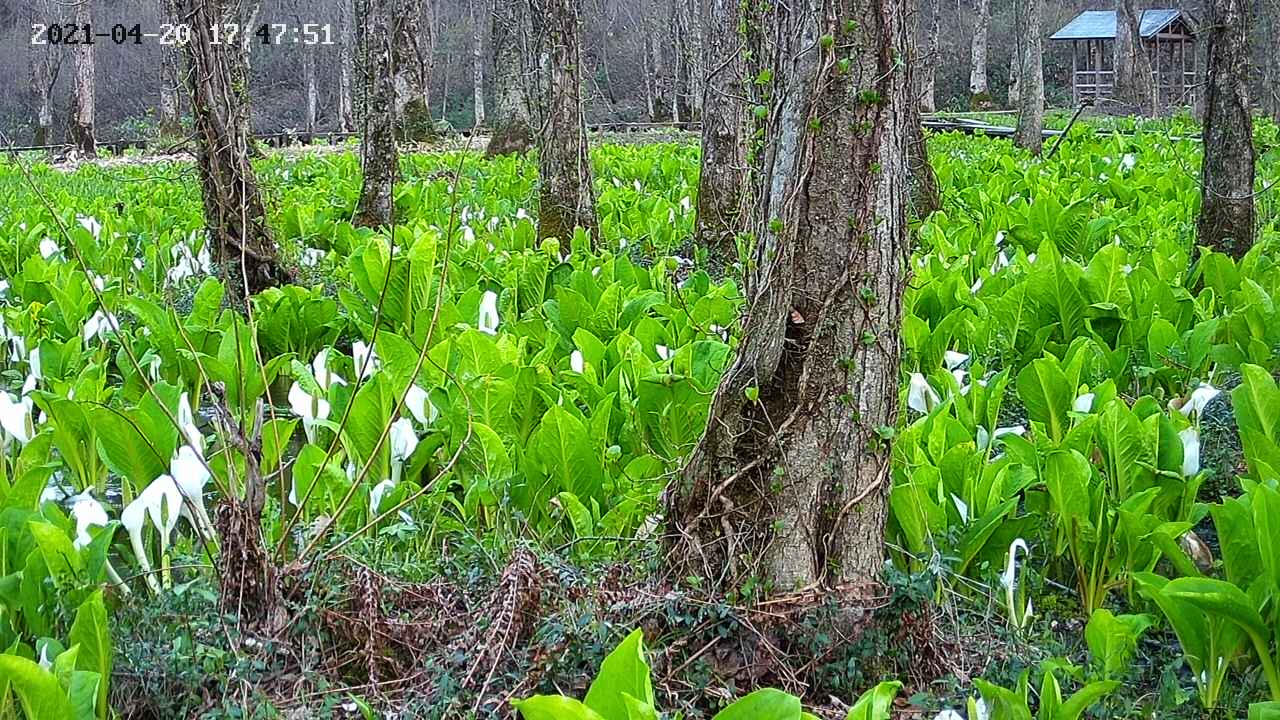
column 1168, row 36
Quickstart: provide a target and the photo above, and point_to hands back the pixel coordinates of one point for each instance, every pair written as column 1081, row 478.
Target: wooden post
column 1075, row 72
column 1156, row 100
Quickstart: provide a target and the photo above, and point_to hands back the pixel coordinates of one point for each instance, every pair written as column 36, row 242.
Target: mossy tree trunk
column 217, row 77
column 979, row 92
column 721, row 192
column 80, row 125
column 510, row 43
column 788, row 486
column 379, row 156
column 1030, row 131
column 1227, row 214
column 1133, row 85
column 566, row 198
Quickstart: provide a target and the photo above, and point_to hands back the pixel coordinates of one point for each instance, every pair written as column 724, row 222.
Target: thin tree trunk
column 1030, row 131
column 1130, row 61
column 1271, row 85
column 235, row 217
column 477, row 61
column 979, row 94
column 926, row 68
column 44, row 63
column 721, row 214
column 80, row 130
column 1015, row 73
column 925, row 197
column 346, row 110
column 509, row 39
column 566, row 198
column 379, row 157
column 170, row 76
column 788, row 486
column 312, row 89
column 1227, row 214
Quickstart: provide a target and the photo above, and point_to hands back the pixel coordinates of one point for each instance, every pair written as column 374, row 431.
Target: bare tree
column 1227, row 214
column 170, row 75
column 412, row 49
column 80, row 130
column 1133, row 84
column 311, row 90
column 979, row 93
column 566, row 198
column 477, row 59
column 235, row 217
column 346, row 111
column 1271, row 82
column 1030, row 53
column 720, row 215
column 925, row 196
column 379, row 157
column 512, row 58
column 926, row 69
column 789, row 485
column 43, row 63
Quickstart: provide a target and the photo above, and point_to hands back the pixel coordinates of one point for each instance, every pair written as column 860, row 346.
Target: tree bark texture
column 1015, row 74
column 979, row 93
column 477, row 60
column 566, row 198
column 1227, row 214
column 311, row 88
column 925, row 196
column 1133, row 84
column 721, row 191
column 43, row 64
column 346, row 106
column 927, row 56
column 170, row 77
column 80, row 130
column 235, row 217
column 379, row 157
column 411, row 48
column 512, row 49
column 1271, row 83
column 1030, row 131
column 789, row 484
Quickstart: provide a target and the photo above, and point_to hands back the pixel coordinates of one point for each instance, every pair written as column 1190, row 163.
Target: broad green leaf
column 92, row 634
column 555, row 707
column 876, row 703
column 766, row 704
column 623, row 672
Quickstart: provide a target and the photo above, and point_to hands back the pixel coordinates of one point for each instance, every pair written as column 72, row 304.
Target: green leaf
column 1047, row 394
column 1112, row 639
column 554, row 707
column 767, row 704
column 38, row 691
column 623, row 672
column 1091, row 693
column 92, row 634
column 876, row 703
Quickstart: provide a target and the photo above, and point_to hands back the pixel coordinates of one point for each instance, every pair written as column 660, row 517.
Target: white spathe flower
column 1128, row 162
column 99, row 325
column 90, row 223
column 985, row 438
column 365, row 358
column 312, row 410
column 161, row 502
column 488, row 320
column 686, row 204
column 420, row 406
column 325, row 377
column 663, row 351
column 311, row 257
column 948, row 715
column 153, row 364
column 952, row 359
column 521, row 214
column 576, row 363
column 49, row 248
column 88, row 513
column 191, row 475
column 1018, row 617
column 1200, row 397
column 468, row 235
column 921, row 396
column 962, row 507
column 187, row 423
column 1083, row 403
column 1190, row 451
column 403, row 442
column 18, row 353
column 379, row 491
column 15, row 418
column 975, row 287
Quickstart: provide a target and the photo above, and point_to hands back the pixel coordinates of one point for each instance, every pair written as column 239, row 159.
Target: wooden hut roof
column 1101, row 24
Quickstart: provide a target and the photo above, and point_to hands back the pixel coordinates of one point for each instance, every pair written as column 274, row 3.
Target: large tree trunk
column 43, row 64
column 218, row 80
column 566, row 198
column 1227, row 214
column 346, row 110
column 925, row 197
column 979, row 93
column 312, row 89
column 1271, row 84
column 477, row 60
column 926, row 68
column 80, row 130
column 512, row 48
column 412, row 65
column 170, row 76
column 788, row 487
column 379, row 157
column 720, row 184
column 1030, row 131
column 1132, row 66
